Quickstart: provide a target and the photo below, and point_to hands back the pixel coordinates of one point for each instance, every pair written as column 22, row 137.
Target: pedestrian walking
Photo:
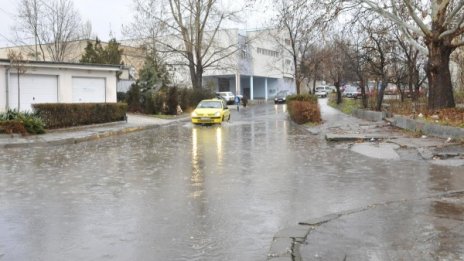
column 237, row 101
column 244, row 101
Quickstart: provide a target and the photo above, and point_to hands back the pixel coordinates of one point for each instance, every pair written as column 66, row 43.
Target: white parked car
column 229, row 97
column 323, row 91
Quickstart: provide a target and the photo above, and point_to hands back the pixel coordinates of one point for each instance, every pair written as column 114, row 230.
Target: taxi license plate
column 205, row 119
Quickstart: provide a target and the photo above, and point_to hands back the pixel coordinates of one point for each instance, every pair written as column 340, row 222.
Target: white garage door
column 88, row 89
column 32, row 89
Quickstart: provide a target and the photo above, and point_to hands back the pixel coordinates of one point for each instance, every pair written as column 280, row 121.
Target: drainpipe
column 7, row 81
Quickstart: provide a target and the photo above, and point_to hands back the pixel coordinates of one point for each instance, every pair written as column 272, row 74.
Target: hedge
column 303, row 108
column 62, row 115
column 302, row 97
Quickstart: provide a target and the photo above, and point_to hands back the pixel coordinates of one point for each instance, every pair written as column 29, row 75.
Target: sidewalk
column 85, row 133
column 388, row 230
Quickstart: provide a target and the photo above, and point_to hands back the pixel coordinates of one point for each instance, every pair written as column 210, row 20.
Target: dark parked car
column 281, row 97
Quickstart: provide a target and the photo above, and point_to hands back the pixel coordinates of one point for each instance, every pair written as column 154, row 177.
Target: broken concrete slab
column 281, row 247
column 417, row 142
column 357, row 136
column 425, row 153
column 377, row 151
column 299, row 233
column 320, row 220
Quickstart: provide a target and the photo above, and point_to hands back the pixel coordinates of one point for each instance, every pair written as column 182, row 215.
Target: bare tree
column 311, row 65
column 357, row 63
column 53, row 25
column 297, row 19
column 18, row 63
column 433, row 27
column 379, row 48
column 335, row 62
column 196, row 25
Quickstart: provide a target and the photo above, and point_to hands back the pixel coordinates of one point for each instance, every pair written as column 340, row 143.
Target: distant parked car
column 281, row 97
column 229, row 97
column 352, row 92
column 322, row 91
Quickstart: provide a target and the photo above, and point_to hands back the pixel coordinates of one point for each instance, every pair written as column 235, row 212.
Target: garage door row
column 44, row 89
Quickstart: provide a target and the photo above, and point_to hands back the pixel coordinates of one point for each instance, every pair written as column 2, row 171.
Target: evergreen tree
column 96, row 53
column 153, row 73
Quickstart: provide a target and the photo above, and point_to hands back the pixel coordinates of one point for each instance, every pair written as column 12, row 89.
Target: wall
column 2, row 89
column 65, row 82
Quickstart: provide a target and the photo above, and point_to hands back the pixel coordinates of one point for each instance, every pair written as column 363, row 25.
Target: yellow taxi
column 211, row 111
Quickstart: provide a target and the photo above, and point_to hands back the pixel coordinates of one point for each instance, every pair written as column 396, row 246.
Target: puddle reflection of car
column 210, row 112
column 281, row 97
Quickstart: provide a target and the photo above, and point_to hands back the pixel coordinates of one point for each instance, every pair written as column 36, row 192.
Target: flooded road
column 187, row 192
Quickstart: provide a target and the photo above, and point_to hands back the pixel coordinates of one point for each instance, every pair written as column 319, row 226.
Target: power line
column 7, row 12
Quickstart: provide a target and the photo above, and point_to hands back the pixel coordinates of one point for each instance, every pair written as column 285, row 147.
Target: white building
column 259, row 70
column 256, row 64
column 51, row 82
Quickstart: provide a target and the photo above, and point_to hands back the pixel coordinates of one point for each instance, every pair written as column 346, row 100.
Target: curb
column 89, row 137
column 368, row 115
column 37, row 141
column 406, row 123
column 427, row 128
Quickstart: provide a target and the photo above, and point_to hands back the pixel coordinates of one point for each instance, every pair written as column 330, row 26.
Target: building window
column 267, row 52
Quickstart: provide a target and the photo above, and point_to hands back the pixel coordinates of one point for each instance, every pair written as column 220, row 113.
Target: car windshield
column 320, row 88
column 282, row 94
column 210, row 104
column 351, row 89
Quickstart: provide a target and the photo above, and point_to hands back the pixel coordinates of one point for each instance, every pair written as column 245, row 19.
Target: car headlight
column 194, row 114
column 283, row 98
column 217, row 114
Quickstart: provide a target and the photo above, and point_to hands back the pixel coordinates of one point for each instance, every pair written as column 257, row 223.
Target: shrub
column 12, row 126
column 304, row 111
column 172, row 100
column 21, row 122
column 121, row 96
column 302, row 97
column 189, row 98
column 61, row 115
column 134, row 99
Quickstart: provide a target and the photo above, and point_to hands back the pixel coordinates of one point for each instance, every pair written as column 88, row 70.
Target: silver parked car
column 323, row 91
column 352, row 92
column 229, row 97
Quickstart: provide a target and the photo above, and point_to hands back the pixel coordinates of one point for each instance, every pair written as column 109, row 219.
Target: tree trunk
column 439, row 76
column 362, row 85
column 380, row 95
column 339, row 94
column 298, row 84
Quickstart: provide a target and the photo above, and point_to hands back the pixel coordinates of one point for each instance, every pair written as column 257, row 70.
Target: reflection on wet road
column 191, row 192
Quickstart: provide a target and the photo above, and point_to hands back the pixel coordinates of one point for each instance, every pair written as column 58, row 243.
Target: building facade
column 51, row 82
column 256, row 65
column 251, row 63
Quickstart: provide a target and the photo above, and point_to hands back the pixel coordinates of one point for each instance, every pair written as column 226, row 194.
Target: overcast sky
column 105, row 15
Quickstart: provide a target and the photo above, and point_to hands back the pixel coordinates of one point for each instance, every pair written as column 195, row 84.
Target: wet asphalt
column 184, row 192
